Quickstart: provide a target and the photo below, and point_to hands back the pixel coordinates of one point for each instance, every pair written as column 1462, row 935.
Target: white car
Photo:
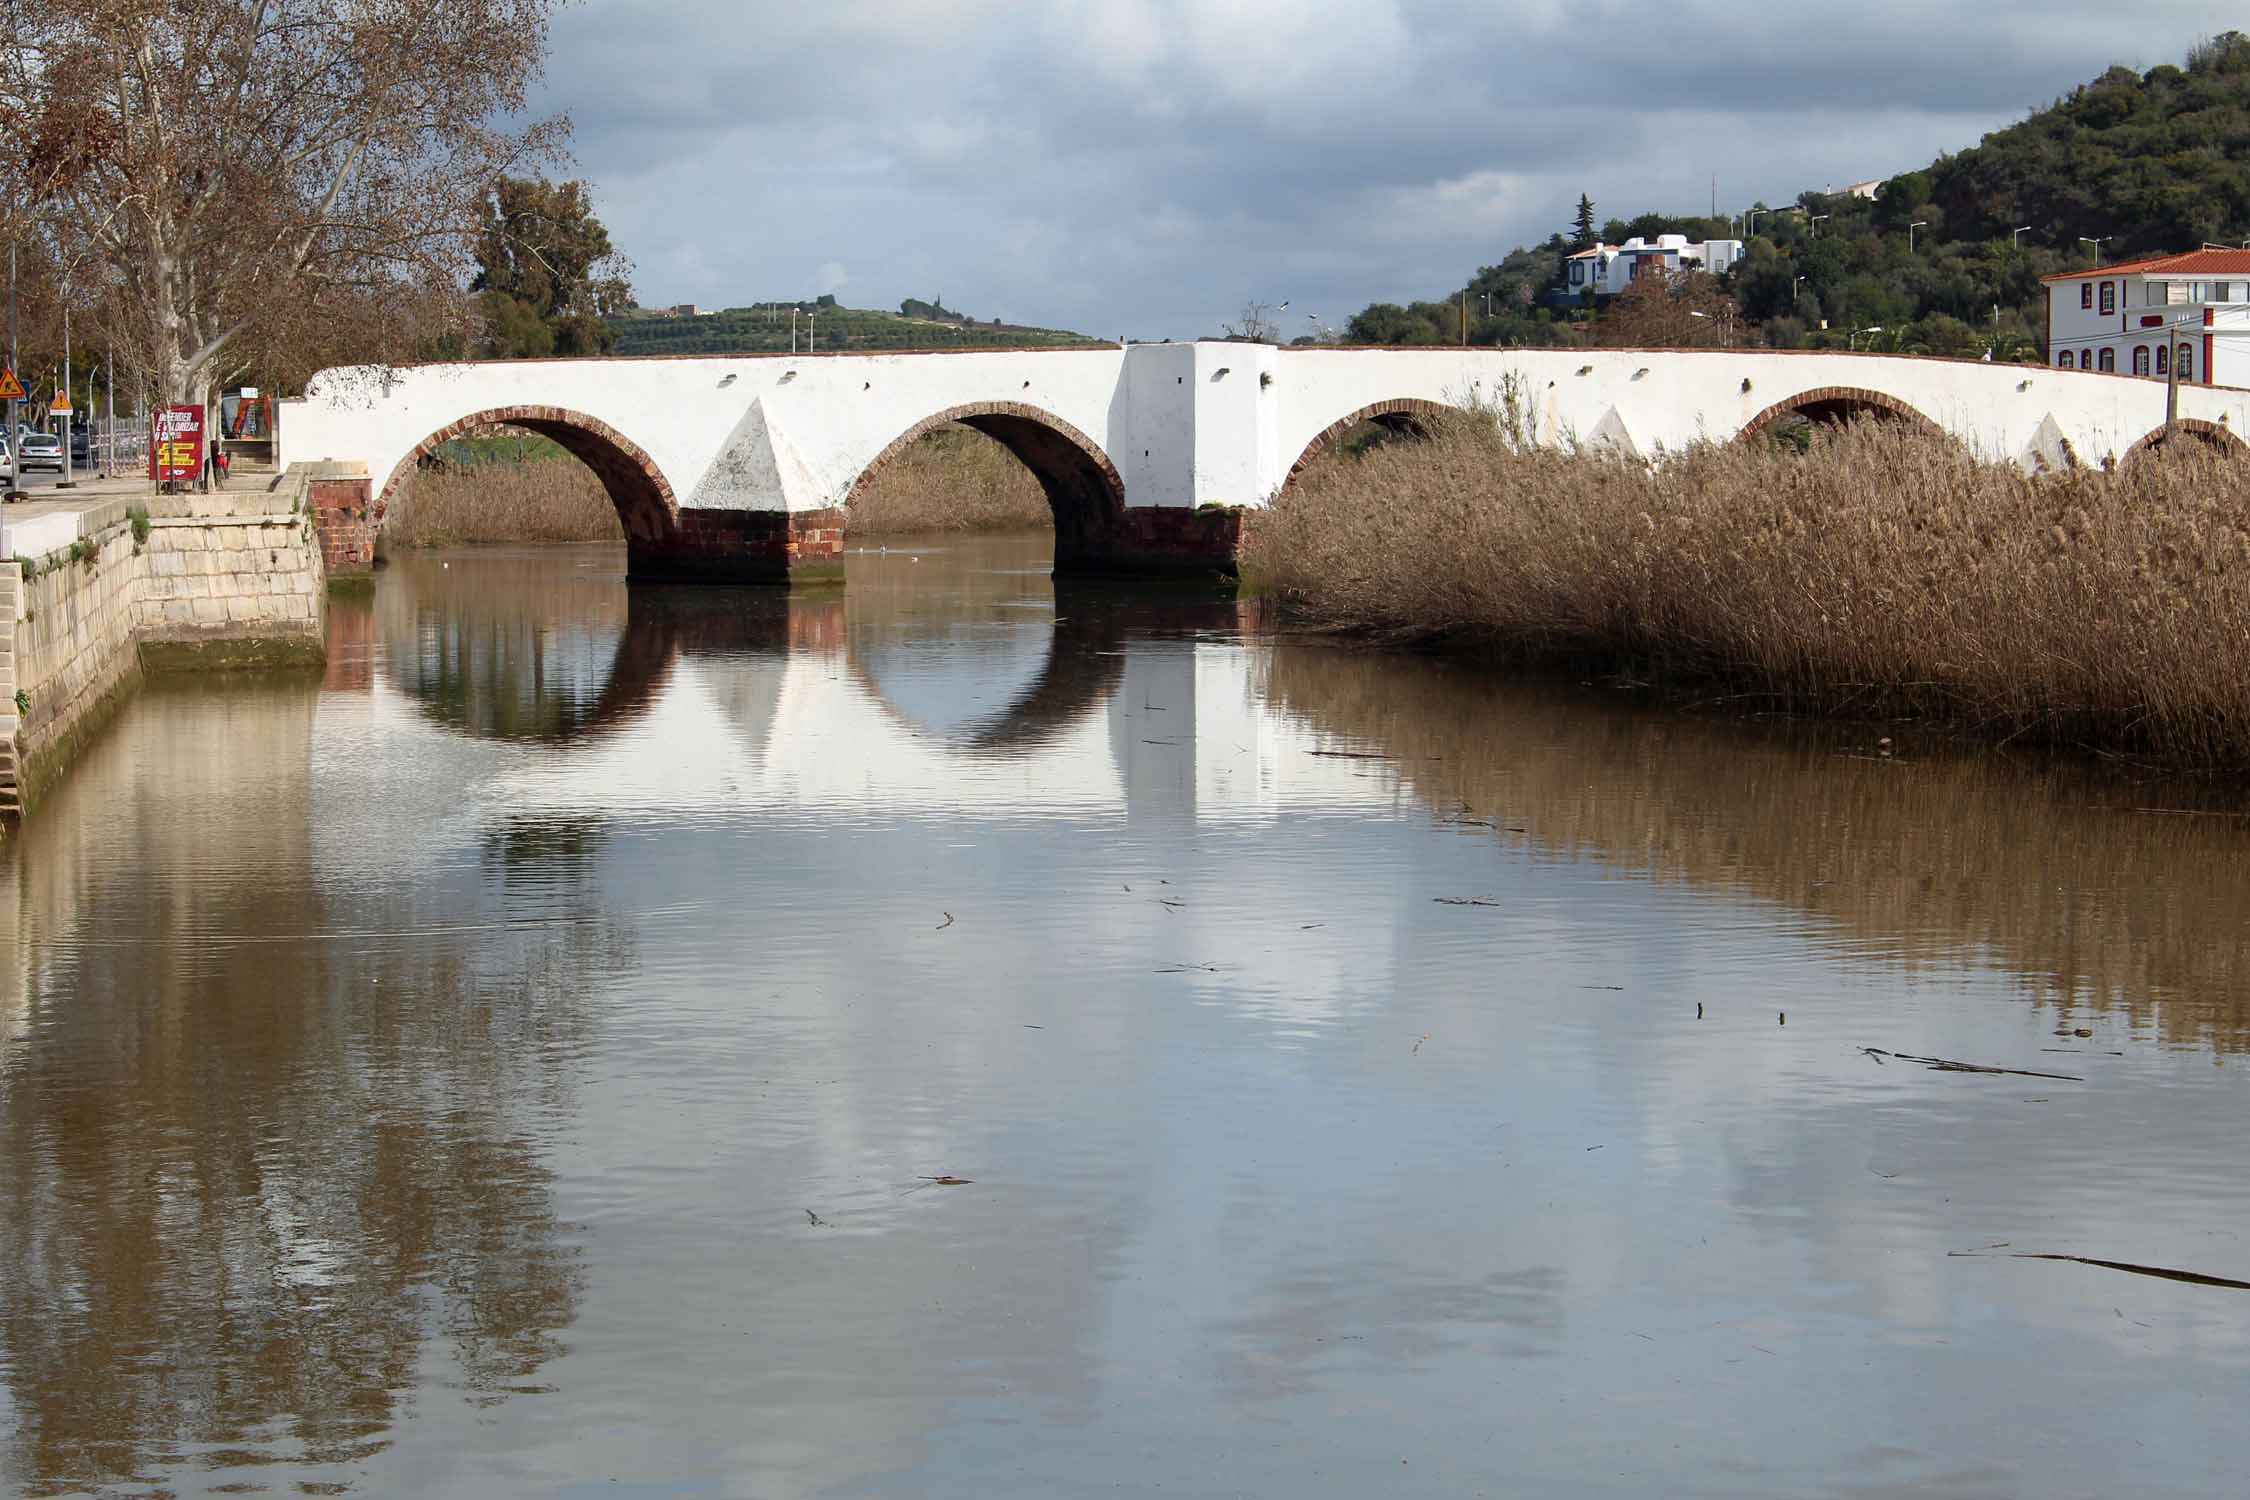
column 39, row 450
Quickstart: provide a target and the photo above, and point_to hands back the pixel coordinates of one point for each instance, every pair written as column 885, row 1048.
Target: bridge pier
column 796, row 548
column 1169, row 541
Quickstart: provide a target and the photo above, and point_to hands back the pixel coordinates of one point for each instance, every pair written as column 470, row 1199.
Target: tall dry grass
column 541, row 500
column 952, row 479
column 1880, row 572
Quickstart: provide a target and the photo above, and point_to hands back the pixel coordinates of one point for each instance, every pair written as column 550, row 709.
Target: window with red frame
column 2086, row 295
column 2109, row 298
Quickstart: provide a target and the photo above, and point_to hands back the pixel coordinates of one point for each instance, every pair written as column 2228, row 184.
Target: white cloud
column 1145, row 166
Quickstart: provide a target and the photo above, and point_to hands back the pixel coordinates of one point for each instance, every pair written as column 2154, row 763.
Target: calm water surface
column 530, row 1060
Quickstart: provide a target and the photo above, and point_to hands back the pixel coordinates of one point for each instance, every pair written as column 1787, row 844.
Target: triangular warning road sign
column 11, row 389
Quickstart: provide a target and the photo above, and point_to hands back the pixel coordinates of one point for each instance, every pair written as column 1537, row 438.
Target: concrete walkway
column 49, row 519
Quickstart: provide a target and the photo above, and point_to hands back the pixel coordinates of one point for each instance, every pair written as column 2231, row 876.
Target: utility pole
column 69, row 480
column 15, row 470
column 2171, row 385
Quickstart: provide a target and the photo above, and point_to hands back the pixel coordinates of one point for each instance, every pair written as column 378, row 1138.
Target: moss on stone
column 265, row 654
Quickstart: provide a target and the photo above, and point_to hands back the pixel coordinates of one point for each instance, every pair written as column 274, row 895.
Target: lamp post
column 1815, row 222
column 2087, row 239
column 1852, row 343
column 1750, row 221
column 2015, row 237
column 1917, row 224
column 69, row 480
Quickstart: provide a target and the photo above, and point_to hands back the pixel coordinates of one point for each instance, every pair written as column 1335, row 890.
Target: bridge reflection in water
column 1147, row 704
column 368, row 1046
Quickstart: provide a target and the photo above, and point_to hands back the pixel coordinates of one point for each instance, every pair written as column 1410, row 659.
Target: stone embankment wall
column 245, row 588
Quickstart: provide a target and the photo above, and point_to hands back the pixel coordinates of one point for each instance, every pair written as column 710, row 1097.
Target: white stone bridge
column 743, row 467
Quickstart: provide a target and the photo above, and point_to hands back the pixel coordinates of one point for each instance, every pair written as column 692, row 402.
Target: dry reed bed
column 1879, row 573
column 953, row 479
column 540, row 500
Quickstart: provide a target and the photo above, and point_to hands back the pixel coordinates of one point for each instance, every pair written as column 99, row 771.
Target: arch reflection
column 981, row 655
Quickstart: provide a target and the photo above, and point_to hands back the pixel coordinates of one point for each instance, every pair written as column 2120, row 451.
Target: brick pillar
column 1153, row 541
column 343, row 516
column 796, row 548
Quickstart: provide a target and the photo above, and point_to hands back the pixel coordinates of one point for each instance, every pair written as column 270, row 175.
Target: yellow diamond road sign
column 60, row 405
column 11, row 389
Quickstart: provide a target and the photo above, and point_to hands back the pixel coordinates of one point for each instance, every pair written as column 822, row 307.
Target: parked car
column 81, row 446
column 39, row 450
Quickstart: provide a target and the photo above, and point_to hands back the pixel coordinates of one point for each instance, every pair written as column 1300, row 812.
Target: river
column 959, row 1037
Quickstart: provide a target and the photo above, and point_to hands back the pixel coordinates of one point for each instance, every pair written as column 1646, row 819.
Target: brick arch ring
column 1404, row 414
column 643, row 496
column 1827, row 402
column 1083, row 488
column 2217, row 436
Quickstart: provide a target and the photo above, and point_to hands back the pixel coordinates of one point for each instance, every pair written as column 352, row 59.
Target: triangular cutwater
column 2049, row 452
column 1610, row 433
column 758, row 469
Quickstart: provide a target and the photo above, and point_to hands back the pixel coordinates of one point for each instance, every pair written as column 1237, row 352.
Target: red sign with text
column 175, row 448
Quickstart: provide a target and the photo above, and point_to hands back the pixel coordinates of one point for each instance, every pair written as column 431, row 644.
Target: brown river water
column 961, row 1036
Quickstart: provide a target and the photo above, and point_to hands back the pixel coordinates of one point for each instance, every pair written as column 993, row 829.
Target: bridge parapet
column 745, row 466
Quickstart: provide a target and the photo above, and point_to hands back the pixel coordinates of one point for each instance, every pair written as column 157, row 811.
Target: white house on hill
column 2140, row 317
column 1606, row 270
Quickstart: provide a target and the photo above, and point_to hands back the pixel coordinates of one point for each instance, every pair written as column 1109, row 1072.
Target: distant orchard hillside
column 765, row 328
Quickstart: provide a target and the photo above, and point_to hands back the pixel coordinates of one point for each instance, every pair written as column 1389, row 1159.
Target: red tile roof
column 2208, row 261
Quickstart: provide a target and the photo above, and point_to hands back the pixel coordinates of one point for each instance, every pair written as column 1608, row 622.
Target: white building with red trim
column 2141, row 317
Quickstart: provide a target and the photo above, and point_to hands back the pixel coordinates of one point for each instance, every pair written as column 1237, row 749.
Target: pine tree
column 1583, row 224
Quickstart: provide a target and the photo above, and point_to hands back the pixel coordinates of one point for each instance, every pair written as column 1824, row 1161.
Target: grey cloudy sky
column 1144, row 167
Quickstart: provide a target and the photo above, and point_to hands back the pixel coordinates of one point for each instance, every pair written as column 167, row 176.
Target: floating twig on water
column 1948, row 1065
column 2162, row 1273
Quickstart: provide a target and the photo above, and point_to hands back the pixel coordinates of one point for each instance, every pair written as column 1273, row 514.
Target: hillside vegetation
column 2145, row 162
column 765, row 329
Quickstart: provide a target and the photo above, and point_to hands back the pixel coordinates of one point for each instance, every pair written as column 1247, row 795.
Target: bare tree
column 1257, row 325
column 1676, row 310
column 257, row 184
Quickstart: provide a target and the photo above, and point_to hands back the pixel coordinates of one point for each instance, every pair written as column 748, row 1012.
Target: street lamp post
column 2015, row 237
column 1815, row 222
column 1917, row 224
column 69, row 480
column 1852, row 343
column 2087, row 239
column 1750, row 221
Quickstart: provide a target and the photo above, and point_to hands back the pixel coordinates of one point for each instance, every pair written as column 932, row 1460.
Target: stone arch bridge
column 742, row 468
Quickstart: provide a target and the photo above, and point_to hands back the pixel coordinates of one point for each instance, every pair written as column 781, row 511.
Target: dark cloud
column 1144, row 167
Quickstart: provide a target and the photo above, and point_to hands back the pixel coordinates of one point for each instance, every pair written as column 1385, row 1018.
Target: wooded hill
column 2145, row 162
column 765, row 328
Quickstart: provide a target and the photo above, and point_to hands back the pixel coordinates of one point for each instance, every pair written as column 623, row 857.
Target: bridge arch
column 1828, row 404
column 2210, row 437
column 646, row 505
column 1402, row 416
column 1084, row 491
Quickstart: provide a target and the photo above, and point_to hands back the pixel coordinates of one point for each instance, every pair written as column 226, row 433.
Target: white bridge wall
column 1190, row 424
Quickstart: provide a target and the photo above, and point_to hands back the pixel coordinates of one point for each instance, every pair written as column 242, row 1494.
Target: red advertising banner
column 175, row 449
